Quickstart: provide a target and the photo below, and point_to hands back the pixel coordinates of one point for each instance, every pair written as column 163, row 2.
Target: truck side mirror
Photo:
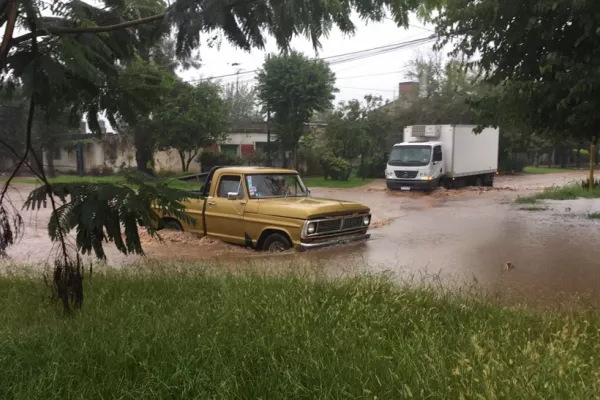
column 232, row 196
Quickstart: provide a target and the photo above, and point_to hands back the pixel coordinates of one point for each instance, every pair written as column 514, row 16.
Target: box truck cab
column 448, row 155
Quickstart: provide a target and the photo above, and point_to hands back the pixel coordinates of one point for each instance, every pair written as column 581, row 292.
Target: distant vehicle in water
column 268, row 209
column 448, row 155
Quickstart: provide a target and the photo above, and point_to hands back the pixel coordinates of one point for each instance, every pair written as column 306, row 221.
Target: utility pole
column 268, row 136
column 269, row 161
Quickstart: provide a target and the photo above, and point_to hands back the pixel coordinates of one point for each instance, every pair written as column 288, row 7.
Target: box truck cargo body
column 448, row 155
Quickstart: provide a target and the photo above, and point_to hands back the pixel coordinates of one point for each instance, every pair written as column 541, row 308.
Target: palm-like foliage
column 102, row 213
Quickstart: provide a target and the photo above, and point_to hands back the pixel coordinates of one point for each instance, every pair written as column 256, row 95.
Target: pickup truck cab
column 269, row 209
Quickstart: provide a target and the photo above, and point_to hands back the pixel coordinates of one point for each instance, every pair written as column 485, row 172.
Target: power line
column 367, row 75
column 367, row 89
column 347, row 57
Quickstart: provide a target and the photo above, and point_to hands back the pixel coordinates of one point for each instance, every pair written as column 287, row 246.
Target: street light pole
column 268, row 136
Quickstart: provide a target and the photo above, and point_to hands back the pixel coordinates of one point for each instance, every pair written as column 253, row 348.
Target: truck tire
column 276, row 243
column 479, row 181
column 171, row 225
column 448, row 184
column 489, row 180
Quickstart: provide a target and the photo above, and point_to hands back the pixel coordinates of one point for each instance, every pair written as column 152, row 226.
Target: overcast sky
column 373, row 75
column 379, row 74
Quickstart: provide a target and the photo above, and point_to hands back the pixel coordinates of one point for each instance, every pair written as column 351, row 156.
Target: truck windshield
column 410, row 156
column 275, row 185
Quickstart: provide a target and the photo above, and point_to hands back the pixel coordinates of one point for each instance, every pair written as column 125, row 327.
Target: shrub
column 336, row 167
column 373, row 166
column 100, row 171
column 513, row 163
column 586, row 183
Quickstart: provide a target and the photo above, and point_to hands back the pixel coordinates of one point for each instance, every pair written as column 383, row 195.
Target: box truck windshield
column 414, row 155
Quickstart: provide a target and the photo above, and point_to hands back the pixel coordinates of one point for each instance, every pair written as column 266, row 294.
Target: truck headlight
column 366, row 220
column 310, row 228
column 389, row 174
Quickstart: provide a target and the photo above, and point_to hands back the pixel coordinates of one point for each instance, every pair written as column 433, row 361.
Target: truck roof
column 417, row 143
column 257, row 170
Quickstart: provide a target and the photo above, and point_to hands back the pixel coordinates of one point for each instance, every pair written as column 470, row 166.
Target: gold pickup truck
column 269, row 209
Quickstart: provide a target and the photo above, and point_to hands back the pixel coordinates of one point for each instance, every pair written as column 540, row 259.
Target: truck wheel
column 489, row 181
column 276, row 243
column 479, row 181
column 171, row 225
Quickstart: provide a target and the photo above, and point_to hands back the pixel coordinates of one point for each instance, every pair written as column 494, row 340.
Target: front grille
column 338, row 224
column 353, row 223
column 406, row 174
column 328, row 226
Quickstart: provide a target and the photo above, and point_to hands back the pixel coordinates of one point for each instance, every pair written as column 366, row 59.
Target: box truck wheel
column 479, row 181
column 489, row 180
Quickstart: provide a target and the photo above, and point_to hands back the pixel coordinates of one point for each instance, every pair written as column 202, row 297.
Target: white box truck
column 448, row 155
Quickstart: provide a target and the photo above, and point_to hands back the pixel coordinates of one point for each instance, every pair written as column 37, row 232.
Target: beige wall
column 96, row 155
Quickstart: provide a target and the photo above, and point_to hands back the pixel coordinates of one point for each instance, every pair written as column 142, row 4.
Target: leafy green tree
column 358, row 129
column 190, row 118
column 544, row 54
column 293, row 87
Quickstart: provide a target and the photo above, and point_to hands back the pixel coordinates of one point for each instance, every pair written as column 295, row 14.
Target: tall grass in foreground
column 198, row 336
column 546, row 170
column 568, row 192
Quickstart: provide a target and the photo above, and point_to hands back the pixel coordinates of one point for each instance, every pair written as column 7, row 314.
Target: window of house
column 231, row 149
column 228, row 184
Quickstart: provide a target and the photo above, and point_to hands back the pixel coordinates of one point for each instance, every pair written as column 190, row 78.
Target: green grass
column 594, row 215
column 104, row 179
column 546, row 170
column 330, row 183
column 569, row 192
column 193, row 335
column 533, row 208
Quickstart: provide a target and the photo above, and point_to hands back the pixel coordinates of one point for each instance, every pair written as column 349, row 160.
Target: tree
column 88, row 60
column 543, row 53
column 192, row 117
column 242, row 104
column 293, row 87
column 358, row 129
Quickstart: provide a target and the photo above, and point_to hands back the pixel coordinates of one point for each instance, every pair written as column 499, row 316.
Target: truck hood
column 308, row 207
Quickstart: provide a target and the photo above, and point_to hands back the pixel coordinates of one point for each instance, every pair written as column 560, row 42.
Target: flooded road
column 462, row 235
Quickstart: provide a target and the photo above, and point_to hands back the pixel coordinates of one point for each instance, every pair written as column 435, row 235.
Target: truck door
column 224, row 214
column 437, row 168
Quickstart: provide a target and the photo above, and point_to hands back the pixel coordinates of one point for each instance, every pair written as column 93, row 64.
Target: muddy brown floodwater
column 467, row 234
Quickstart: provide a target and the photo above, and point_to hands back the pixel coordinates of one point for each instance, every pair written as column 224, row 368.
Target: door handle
column 212, row 203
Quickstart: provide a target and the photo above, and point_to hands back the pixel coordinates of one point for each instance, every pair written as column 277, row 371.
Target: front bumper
column 419, row 184
column 335, row 240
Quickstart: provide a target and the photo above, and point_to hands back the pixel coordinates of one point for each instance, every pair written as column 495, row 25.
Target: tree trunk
column 563, row 156
column 183, row 163
column 191, row 158
column 143, row 159
column 578, row 162
column 50, row 170
column 592, row 152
